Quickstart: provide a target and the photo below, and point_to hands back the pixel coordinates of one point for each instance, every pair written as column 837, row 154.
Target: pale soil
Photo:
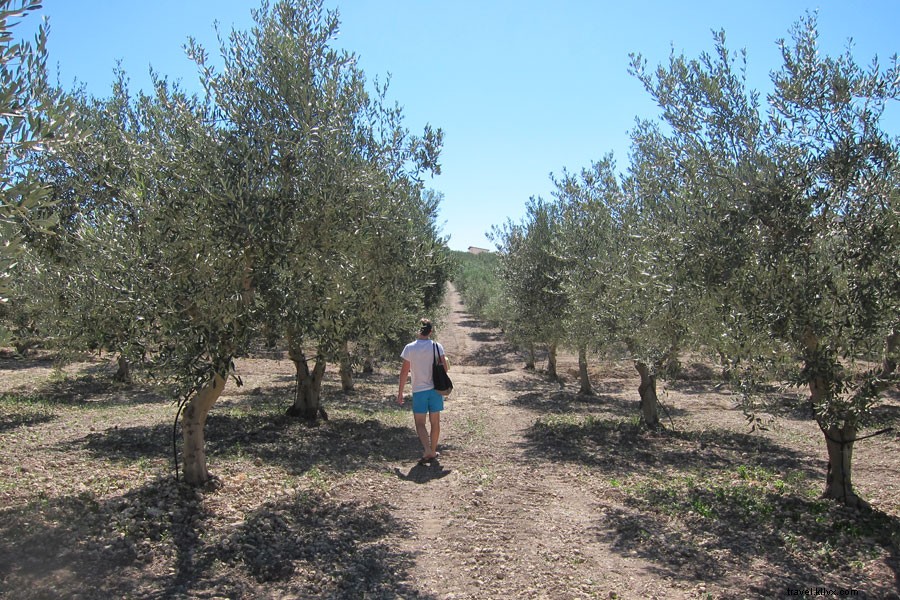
column 538, row 493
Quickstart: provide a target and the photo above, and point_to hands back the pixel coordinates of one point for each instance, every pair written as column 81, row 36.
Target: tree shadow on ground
column 24, row 418
column 378, row 377
column 338, row 445
column 609, row 387
column 38, row 541
column 101, row 546
column 532, row 380
column 12, row 362
column 702, row 532
column 486, row 336
column 495, row 355
column 129, row 443
column 699, row 505
column 339, row 549
column 471, row 323
column 563, row 402
column 886, row 414
column 620, row 447
column 160, row 540
column 92, row 389
column 698, row 371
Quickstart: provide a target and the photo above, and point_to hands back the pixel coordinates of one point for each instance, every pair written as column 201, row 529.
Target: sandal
column 428, row 459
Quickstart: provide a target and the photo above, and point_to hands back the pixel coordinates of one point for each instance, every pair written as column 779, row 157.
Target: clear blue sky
column 521, row 88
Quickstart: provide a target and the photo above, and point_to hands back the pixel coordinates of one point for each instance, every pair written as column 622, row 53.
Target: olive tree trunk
column 551, row 362
column 583, row 376
column 839, row 439
column 529, row 358
column 838, row 480
column 647, row 392
column 346, row 369
column 308, row 392
column 368, row 366
column 193, row 422
column 123, row 372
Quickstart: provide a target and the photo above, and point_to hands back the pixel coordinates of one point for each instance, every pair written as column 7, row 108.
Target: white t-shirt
column 421, row 355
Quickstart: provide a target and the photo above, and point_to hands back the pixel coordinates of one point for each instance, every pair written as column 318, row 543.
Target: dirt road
column 493, row 519
column 541, row 493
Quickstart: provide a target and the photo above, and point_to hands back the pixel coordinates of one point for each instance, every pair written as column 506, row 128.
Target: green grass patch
column 23, row 411
column 747, row 495
column 14, row 401
column 472, row 428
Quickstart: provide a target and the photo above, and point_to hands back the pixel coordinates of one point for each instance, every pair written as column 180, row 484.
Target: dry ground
column 539, row 492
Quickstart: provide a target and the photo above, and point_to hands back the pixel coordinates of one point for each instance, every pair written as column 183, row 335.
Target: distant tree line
column 474, row 278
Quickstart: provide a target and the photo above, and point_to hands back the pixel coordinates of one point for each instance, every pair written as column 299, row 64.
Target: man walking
column 418, row 357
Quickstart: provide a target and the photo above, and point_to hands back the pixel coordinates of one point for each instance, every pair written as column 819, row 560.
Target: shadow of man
column 423, row 472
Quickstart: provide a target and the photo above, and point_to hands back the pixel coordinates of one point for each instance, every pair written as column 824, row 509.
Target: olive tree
column 331, row 186
column 91, row 183
column 32, row 122
column 590, row 250
column 624, row 275
column 795, row 221
column 145, row 255
column 657, row 295
column 531, row 274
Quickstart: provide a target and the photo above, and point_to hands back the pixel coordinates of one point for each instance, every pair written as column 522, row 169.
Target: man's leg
column 423, row 434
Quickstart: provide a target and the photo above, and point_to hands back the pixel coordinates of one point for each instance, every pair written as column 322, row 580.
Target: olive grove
column 285, row 201
column 33, row 121
column 805, row 197
column 762, row 232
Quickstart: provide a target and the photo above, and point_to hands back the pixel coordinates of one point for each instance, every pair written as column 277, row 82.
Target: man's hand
column 400, row 398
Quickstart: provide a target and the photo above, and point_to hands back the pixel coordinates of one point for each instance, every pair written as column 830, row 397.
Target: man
column 418, row 357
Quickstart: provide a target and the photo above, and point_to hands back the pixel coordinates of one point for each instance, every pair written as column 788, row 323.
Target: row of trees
column 32, row 117
column 762, row 232
column 474, row 278
column 285, row 202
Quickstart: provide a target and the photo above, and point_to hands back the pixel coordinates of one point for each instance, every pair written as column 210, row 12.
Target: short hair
column 425, row 327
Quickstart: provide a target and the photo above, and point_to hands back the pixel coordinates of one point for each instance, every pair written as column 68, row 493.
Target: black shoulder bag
column 442, row 383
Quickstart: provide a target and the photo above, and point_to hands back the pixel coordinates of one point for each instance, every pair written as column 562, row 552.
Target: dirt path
column 492, row 520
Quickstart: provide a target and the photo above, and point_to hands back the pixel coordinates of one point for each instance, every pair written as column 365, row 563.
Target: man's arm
column 404, row 374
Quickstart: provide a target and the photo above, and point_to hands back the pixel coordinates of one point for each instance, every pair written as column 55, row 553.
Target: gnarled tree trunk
column 551, row 362
column 839, row 439
column 308, row 395
column 838, row 482
column 583, row 373
column 839, row 444
column 123, row 373
column 346, row 369
column 647, row 392
column 193, row 422
column 368, row 366
column 529, row 358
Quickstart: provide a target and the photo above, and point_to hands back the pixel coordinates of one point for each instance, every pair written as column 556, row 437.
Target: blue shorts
column 427, row 401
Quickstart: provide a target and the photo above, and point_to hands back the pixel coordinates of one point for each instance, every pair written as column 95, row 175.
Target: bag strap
column 434, row 353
